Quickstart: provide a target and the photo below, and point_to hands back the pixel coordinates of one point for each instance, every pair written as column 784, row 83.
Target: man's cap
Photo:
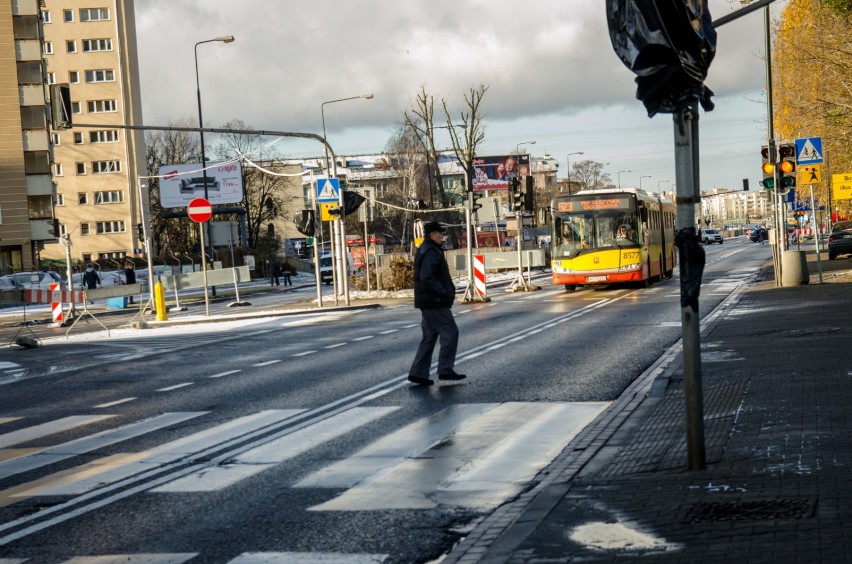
column 431, row 227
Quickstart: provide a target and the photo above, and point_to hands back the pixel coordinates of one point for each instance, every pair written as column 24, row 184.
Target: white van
column 326, row 274
column 710, row 236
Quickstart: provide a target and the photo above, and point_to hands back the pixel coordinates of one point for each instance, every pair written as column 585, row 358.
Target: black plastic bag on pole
column 352, row 201
column 669, row 45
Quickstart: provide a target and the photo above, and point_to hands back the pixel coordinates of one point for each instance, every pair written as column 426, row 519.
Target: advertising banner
column 493, row 173
column 180, row 184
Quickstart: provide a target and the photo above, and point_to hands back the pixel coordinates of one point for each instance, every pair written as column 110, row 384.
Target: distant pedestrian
column 274, row 272
column 130, row 277
column 434, row 294
column 91, row 278
column 287, row 270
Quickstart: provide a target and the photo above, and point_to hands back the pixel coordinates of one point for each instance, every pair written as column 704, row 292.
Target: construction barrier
column 56, row 307
column 50, row 296
column 479, row 275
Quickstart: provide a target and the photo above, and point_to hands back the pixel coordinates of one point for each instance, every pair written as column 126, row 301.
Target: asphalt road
column 299, row 437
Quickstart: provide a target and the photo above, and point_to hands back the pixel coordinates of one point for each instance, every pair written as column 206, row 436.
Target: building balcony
column 44, row 230
column 25, row 7
column 28, row 50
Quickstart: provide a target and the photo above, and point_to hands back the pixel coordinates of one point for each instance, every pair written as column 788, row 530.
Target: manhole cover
column 751, row 510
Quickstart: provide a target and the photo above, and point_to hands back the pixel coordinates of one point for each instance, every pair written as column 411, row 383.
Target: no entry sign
column 199, row 210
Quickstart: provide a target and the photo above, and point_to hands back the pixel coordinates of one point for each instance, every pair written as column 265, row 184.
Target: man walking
column 434, row 294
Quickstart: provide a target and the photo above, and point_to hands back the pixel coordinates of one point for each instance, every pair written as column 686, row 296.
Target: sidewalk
column 777, row 389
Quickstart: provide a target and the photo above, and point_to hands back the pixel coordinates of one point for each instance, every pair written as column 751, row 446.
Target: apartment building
column 91, row 46
column 26, row 189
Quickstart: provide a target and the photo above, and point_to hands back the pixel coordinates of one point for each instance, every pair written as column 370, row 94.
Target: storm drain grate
column 752, row 510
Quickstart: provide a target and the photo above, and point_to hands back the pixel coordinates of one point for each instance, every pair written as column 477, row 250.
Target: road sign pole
column 204, row 269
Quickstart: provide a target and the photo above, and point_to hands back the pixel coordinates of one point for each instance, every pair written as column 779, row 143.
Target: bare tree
column 472, row 128
column 421, row 120
column 265, row 197
column 174, row 236
column 589, row 175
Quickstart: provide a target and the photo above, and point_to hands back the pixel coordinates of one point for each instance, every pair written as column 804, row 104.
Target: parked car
column 758, row 234
column 30, row 281
column 840, row 240
column 710, row 236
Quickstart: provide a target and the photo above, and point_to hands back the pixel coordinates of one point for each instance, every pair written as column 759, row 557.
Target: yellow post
column 160, row 302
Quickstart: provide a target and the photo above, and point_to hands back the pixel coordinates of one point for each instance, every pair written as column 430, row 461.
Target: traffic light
column 768, row 168
column 787, row 164
column 475, row 196
column 140, row 230
column 528, row 194
column 516, row 194
column 305, row 224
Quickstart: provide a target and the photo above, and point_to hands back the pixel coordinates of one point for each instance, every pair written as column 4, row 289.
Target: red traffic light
column 786, row 152
column 765, row 153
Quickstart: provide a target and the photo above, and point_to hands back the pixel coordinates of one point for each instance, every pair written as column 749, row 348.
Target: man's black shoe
column 451, row 376
column 423, row 381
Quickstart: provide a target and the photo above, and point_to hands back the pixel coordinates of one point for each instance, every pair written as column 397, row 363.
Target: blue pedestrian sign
column 328, row 190
column 809, row 150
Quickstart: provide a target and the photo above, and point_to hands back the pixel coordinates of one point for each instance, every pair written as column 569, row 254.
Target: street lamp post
column 640, row 180
column 342, row 260
column 568, row 164
column 518, row 146
column 619, row 177
column 660, row 188
column 223, row 39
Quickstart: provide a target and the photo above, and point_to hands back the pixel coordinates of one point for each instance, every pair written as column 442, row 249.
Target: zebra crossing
column 473, row 456
column 245, row 558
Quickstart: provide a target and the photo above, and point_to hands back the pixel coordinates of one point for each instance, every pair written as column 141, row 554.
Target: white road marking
column 275, row 452
column 334, row 346
column 303, row 353
column 112, row 403
column 177, row 558
column 266, row 362
column 486, row 461
column 411, row 325
column 8, row 419
column 49, row 428
column 228, row 373
column 364, row 338
column 175, row 387
column 307, row 558
column 388, row 331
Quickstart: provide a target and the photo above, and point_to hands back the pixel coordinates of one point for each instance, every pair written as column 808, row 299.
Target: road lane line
column 49, row 428
column 334, row 346
column 228, row 373
column 364, row 338
column 266, row 362
column 112, row 403
column 175, row 387
column 303, row 353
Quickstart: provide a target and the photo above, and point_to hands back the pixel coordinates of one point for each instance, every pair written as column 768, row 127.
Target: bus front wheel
column 570, row 287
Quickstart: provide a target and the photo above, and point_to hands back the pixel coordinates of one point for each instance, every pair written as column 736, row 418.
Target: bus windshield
column 578, row 231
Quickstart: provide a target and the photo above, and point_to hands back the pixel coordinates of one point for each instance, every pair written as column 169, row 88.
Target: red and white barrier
column 808, row 232
column 50, row 296
column 56, row 307
column 479, row 275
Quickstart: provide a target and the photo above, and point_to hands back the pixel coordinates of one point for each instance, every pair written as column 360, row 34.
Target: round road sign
column 199, row 210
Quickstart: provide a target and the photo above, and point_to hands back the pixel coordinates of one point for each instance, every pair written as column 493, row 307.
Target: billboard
column 180, row 184
column 493, row 173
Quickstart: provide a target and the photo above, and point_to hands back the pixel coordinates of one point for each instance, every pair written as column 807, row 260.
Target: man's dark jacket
column 433, row 286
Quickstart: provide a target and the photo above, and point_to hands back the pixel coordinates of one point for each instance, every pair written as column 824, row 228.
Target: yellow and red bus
column 610, row 237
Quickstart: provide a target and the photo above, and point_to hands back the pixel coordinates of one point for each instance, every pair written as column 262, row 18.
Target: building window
column 100, row 106
column 33, row 117
column 105, row 167
column 57, row 169
column 78, row 138
column 104, row 136
column 68, row 16
column 110, row 227
column 47, row 48
column 24, row 27
column 73, row 77
column 83, row 198
column 51, row 78
column 81, row 169
column 75, row 108
column 94, row 14
column 71, row 46
column 100, row 75
column 56, row 139
column 59, row 200
column 109, row 197
column 84, row 230
column 29, row 72
column 37, row 162
column 63, row 230
column 90, row 45
column 45, row 16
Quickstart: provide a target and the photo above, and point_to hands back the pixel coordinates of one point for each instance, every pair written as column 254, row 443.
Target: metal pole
column 366, row 248
column 147, row 246
column 204, row 165
column 815, row 225
column 691, row 270
column 318, row 240
column 203, row 269
column 778, row 248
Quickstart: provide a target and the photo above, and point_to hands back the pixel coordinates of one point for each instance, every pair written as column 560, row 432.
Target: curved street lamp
column 640, row 180
column 322, row 113
column 659, row 188
column 619, row 177
column 518, row 146
column 222, row 39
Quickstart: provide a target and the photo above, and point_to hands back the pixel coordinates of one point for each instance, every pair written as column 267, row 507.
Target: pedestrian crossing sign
column 328, row 190
column 809, row 150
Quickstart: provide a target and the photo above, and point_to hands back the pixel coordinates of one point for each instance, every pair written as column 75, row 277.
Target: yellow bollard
column 160, row 302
